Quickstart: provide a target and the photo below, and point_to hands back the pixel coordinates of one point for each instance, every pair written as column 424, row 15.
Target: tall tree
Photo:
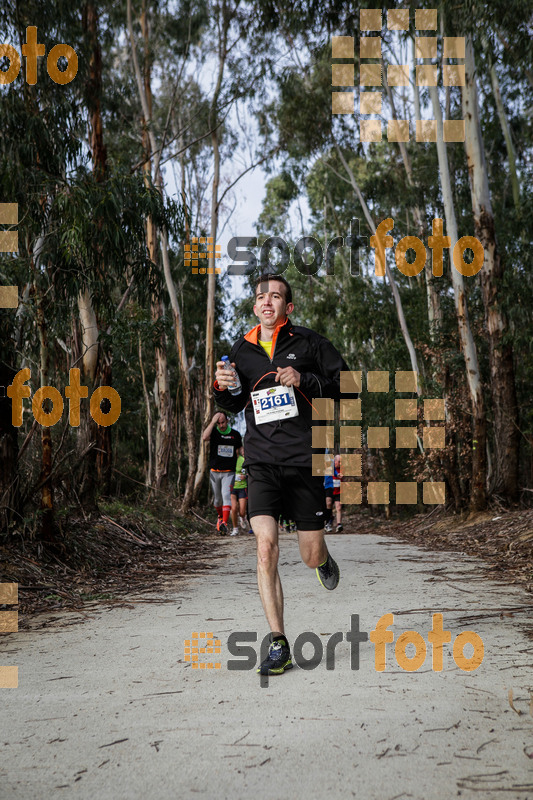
column 163, row 438
column 94, row 361
column 502, row 383
column 225, row 13
column 187, row 399
column 466, row 338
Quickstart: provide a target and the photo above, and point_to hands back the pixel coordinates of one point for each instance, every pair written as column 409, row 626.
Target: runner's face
column 270, row 306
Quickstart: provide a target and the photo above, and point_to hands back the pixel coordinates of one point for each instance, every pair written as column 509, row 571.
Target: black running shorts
column 290, row 492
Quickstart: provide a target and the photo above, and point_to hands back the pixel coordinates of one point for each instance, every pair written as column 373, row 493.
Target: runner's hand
column 288, row 376
column 223, row 376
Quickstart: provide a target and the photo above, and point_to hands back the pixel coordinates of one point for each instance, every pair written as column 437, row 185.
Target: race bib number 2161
column 278, row 402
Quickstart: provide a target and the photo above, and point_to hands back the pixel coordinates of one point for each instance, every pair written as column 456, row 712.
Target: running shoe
column 222, row 528
column 339, row 529
column 328, row 527
column 278, row 659
column 328, row 574
column 235, row 532
column 251, row 531
column 242, row 523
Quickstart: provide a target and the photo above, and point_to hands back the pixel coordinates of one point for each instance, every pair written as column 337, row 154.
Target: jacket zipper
column 270, row 358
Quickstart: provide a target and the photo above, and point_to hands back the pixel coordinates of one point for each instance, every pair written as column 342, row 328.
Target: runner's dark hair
column 271, row 276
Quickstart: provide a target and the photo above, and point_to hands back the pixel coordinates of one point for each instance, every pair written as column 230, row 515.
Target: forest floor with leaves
column 502, row 538
column 109, row 704
column 128, row 550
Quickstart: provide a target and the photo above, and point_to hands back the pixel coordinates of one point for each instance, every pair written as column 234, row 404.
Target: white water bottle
column 235, row 387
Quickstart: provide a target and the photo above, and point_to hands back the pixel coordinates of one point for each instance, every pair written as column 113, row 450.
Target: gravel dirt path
column 108, row 707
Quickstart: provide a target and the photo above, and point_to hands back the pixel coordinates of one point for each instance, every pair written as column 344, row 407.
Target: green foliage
column 357, row 313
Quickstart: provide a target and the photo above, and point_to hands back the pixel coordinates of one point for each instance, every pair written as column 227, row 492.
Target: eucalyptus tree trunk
column 394, row 288
column 447, row 458
column 433, row 299
column 47, row 526
column 9, row 451
column 511, row 154
column 163, row 436
column 502, row 383
column 149, row 471
column 223, row 26
column 468, row 347
column 188, row 412
column 87, row 430
column 95, row 443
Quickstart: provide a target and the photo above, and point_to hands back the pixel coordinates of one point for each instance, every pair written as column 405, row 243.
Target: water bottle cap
column 225, row 358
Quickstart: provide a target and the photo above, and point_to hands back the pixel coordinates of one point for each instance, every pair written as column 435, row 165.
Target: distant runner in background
column 224, row 443
column 328, row 492
column 239, row 496
column 337, row 478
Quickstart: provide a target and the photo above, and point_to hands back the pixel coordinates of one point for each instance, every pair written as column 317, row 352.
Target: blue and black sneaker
column 278, row 659
column 328, row 573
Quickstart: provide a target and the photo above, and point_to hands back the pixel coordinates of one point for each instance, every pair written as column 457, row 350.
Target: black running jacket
column 286, row 441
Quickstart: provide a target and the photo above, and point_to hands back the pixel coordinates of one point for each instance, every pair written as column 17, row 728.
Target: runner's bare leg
column 268, row 581
column 312, row 548
column 234, row 509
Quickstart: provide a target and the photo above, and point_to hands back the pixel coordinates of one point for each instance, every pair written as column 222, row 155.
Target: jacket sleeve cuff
column 220, row 393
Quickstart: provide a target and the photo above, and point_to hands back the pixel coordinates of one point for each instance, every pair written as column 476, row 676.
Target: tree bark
column 223, row 26
column 478, row 497
column 163, row 436
column 394, row 288
column 176, row 312
column 96, row 366
column 47, row 526
column 511, row 155
column 502, row 383
column 148, row 480
column 433, row 299
column 447, row 458
column 9, row 477
column 87, row 431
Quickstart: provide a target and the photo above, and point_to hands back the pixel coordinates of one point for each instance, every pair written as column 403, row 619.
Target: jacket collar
column 253, row 335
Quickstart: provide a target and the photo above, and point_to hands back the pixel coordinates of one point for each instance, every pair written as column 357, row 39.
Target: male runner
column 291, row 365
column 224, row 443
column 239, row 495
column 337, row 478
column 328, row 495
